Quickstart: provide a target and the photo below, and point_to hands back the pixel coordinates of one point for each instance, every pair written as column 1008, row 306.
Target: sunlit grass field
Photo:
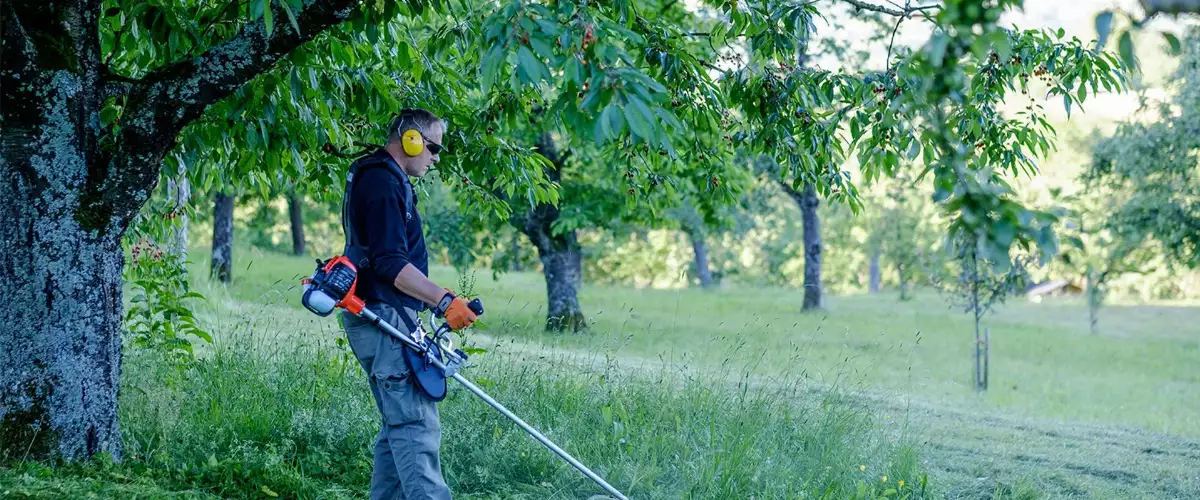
column 1142, row 370
column 729, row 393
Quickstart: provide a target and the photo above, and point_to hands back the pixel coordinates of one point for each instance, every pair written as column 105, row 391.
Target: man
column 381, row 219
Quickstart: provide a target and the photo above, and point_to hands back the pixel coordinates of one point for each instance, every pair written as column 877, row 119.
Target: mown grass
column 1140, row 371
column 719, row 394
column 277, row 407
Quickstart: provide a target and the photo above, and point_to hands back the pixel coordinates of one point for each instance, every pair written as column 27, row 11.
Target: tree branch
column 1154, row 7
column 180, row 92
column 170, row 97
column 114, row 84
column 367, row 148
column 905, row 12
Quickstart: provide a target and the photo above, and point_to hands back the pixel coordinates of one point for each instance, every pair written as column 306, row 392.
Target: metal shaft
column 391, row 330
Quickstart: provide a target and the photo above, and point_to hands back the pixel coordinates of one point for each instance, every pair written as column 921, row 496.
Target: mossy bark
column 70, row 187
column 62, row 261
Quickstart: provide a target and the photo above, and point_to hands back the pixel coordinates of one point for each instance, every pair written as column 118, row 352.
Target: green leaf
column 543, row 49
column 575, row 71
column 491, row 64
column 108, row 114
column 530, row 64
column 1173, row 45
column 268, row 491
column 268, row 18
column 203, row 335
column 1103, row 26
column 1125, row 48
column 256, row 9
column 291, row 15
column 610, row 124
column 639, row 118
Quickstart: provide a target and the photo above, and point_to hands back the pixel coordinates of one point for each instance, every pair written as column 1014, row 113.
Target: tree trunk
column 562, row 260
column 1094, row 300
column 222, row 242
column 813, row 293
column 977, row 309
column 905, row 282
column 296, row 210
column 873, row 275
column 562, row 265
column 61, row 239
column 808, row 201
column 514, row 253
column 70, row 186
column 700, row 252
column 179, row 191
column 61, row 359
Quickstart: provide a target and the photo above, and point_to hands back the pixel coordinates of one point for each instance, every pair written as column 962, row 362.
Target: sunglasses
column 433, row 147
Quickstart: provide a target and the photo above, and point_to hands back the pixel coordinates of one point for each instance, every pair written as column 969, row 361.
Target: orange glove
column 458, row 315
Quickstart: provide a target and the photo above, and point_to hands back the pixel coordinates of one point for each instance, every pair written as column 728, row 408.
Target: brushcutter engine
column 332, row 286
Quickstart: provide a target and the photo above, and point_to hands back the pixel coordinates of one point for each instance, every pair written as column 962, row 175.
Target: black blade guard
column 429, row 378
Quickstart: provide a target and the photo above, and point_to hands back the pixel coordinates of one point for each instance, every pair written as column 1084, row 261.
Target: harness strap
column 354, row 250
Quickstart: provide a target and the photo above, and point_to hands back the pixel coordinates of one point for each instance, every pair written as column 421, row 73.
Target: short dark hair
column 421, row 119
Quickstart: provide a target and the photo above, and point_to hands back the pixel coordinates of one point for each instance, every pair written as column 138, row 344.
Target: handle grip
column 475, row 306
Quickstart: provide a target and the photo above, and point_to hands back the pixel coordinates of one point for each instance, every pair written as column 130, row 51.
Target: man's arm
column 384, row 220
column 413, row 282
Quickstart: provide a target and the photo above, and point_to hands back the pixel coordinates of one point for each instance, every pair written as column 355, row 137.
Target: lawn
column 1069, row 414
column 719, row 394
column 1140, row 371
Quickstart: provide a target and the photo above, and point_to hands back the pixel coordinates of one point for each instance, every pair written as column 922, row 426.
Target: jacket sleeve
column 383, row 218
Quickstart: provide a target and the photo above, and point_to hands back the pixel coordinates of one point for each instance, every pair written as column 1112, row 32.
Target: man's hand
column 457, row 314
column 413, row 282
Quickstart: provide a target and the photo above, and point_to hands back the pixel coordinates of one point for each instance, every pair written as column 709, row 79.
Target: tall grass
column 277, row 409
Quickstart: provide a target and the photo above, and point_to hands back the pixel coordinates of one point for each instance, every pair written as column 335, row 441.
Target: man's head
column 415, row 139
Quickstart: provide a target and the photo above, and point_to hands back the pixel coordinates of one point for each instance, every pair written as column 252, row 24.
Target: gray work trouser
column 407, row 465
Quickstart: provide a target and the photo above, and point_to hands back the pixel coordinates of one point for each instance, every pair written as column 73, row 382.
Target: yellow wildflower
column 901, row 482
column 884, row 479
column 862, row 467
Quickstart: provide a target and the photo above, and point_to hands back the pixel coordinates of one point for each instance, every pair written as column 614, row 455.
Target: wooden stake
column 987, row 347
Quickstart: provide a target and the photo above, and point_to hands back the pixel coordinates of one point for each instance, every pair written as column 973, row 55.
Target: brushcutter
column 332, row 286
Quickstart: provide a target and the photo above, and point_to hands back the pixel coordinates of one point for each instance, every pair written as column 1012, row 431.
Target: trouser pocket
column 398, row 399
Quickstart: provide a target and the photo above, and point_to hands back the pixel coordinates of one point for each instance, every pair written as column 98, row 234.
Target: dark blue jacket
column 389, row 228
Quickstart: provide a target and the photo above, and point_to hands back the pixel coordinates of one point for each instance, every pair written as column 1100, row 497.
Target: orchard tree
column 99, row 96
column 1144, row 185
column 978, row 285
column 906, row 232
column 1149, row 170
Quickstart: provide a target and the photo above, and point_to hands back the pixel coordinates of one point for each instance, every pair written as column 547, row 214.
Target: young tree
column 978, row 285
column 905, row 232
column 180, row 193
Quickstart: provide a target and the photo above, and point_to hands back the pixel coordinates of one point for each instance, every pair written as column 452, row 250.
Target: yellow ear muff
column 413, row 143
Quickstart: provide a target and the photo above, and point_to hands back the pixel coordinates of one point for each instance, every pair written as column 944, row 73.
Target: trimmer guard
column 428, row 377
